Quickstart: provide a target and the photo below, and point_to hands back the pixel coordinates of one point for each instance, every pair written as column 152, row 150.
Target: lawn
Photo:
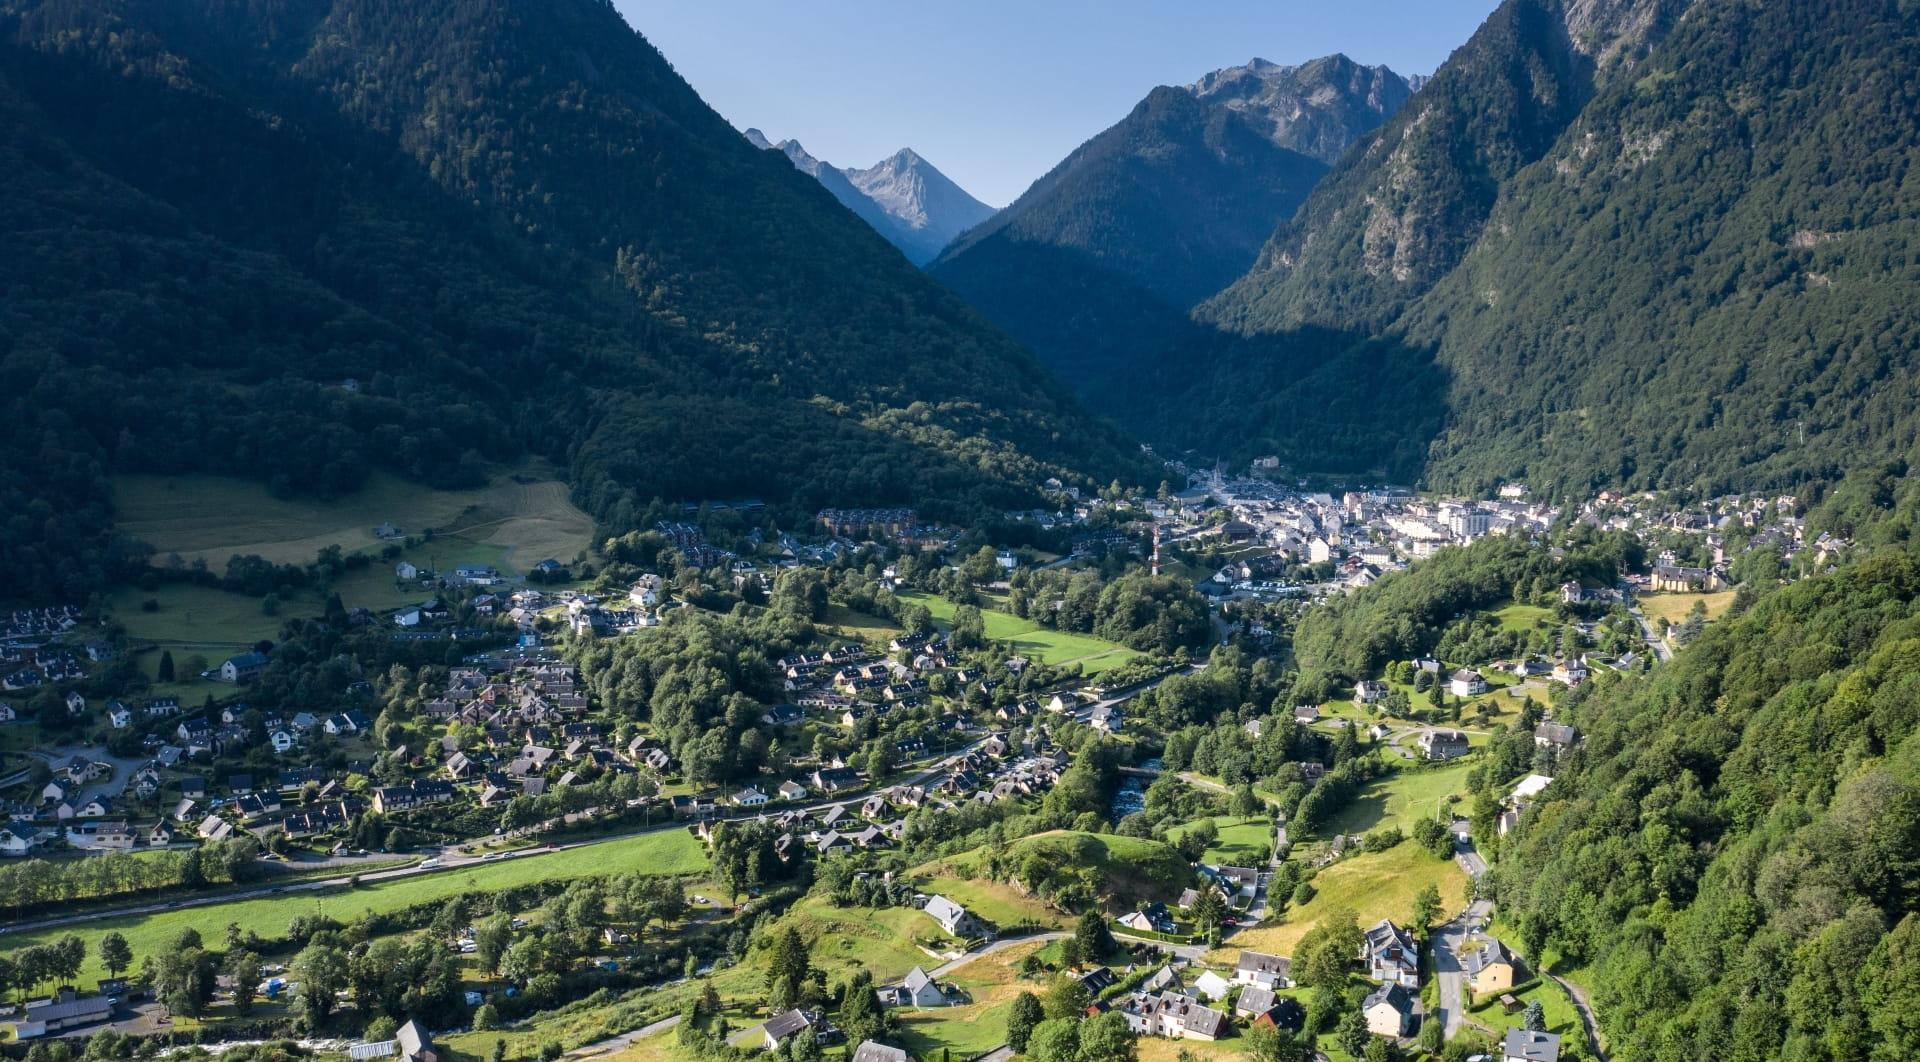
column 845, row 939
column 526, row 513
column 663, row 852
column 1242, row 841
column 1094, row 655
column 1674, row 607
column 1373, row 885
column 993, row 901
column 1561, row 1017
column 1522, row 618
column 977, row 1027
column 1400, row 799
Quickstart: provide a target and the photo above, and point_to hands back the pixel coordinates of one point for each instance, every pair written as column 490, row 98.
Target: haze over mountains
column 903, row 196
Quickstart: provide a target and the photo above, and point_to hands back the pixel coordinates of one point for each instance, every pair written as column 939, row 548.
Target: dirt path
column 1589, row 1019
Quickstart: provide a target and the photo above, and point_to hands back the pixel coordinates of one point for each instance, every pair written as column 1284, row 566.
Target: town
column 898, row 699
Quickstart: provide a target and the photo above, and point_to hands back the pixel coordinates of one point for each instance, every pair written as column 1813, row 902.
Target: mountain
column 1642, row 244
column 1098, row 263
column 508, row 223
column 915, row 206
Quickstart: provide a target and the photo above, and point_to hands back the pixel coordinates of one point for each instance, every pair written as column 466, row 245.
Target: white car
column 431, row 864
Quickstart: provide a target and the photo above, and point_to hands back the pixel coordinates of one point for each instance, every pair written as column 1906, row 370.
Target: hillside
column 903, row 196
column 1097, row 264
column 299, row 241
column 1636, row 244
column 1734, row 854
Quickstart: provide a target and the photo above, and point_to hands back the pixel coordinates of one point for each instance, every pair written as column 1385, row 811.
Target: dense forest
column 1734, row 851
column 297, row 241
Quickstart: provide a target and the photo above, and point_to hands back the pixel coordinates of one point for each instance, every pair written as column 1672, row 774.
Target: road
column 1451, row 1009
column 1658, row 644
column 624, row 1040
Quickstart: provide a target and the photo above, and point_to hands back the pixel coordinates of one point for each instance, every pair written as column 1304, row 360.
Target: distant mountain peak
column 1318, row 108
column 903, row 196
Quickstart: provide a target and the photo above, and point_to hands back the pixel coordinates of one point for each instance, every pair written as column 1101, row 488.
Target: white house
column 1212, row 985
column 1467, row 683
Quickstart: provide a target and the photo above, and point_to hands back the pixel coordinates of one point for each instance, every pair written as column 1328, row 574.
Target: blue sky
column 994, row 92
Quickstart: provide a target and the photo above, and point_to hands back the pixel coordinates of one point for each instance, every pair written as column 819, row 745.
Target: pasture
column 524, row 517
column 1028, row 638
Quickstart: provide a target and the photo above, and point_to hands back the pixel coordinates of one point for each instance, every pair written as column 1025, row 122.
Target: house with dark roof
column 1389, row 1011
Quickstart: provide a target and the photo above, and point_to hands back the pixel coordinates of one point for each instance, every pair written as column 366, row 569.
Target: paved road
column 624, row 1040
column 1659, row 644
column 1451, row 1009
column 945, row 969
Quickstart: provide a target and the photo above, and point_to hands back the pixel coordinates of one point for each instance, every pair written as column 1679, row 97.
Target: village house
column 1489, row 965
column 1555, row 736
column 1467, row 682
column 953, row 918
column 916, row 990
column 243, row 668
column 1443, row 744
column 1390, row 955
column 1171, row 1015
column 1266, row 971
column 1389, row 1011
column 1525, row 1045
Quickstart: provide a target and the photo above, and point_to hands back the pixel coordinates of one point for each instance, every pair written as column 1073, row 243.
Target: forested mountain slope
column 509, row 223
column 1734, row 849
column 1401, row 208
column 1624, row 244
column 1098, row 263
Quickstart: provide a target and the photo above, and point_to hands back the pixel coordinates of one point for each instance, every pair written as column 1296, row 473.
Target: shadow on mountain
column 1324, row 401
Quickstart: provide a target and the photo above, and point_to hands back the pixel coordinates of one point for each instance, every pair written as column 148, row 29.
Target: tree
column 1093, row 936
column 323, row 972
column 1245, row 803
column 969, row 629
column 1433, row 836
column 491, row 938
column 1196, row 839
column 1433, row 1035
column 1070, row 955
column 1027, row 1013
column 1209, row 912
column 1535, row 1017
column 1055, row 1040
column 1426, row 907
column 1067, row 997
column 1327, row 951
column 164, row 672
column 243, row 969
column 1352, row 1034
column 1106, row 1038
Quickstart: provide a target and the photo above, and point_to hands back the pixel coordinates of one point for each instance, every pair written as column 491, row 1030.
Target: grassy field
column 527, row 514
column 1094, row 655
column 1674, row 607
column 1522, row 618
column 859, row 624
column 845, row 939
column 1242, row 841
column 981, row 1025
column 665, row 852
column 993, row 901
column 1400, row 799
column 1373, row 885
column 194, row 618
column 1129, row 868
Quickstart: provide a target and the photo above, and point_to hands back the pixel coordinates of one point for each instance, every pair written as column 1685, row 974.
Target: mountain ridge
column 903, row 197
